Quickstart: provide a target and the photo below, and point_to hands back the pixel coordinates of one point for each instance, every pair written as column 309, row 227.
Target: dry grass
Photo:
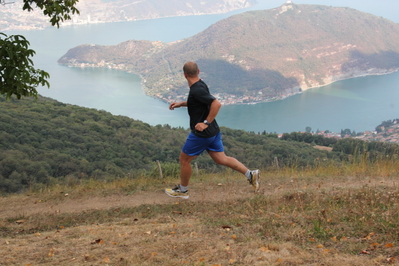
column 322, row 148
column 328, row 215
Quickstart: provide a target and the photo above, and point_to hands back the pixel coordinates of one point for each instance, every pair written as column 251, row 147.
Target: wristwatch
column 206, row 122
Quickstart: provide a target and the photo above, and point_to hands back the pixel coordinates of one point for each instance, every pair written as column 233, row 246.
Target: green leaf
column 17, row 75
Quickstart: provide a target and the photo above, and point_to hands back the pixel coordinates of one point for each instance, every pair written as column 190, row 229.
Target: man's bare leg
column 181, row 190
column 185, row 168
column 222, row 159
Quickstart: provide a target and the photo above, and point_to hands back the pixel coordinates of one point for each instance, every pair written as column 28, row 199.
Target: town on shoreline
column 388, row 131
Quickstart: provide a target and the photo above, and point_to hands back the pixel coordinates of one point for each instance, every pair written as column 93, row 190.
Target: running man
column 205, row 133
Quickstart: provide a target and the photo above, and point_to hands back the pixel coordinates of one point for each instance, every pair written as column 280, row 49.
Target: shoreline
column 379, row 72
column 44, row 23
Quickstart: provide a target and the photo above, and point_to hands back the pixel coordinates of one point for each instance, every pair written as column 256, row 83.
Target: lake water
column 359, row 104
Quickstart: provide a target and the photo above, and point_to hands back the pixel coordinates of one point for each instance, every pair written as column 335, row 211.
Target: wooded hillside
column 45, row 140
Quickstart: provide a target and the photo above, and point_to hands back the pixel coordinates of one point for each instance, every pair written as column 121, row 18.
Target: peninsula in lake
column 258, row 56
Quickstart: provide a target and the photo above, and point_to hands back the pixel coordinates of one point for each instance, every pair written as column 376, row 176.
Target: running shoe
column 254, row 181
column 176, row 192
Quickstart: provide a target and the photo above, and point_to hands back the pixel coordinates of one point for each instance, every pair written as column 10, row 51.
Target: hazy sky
column 385, row 8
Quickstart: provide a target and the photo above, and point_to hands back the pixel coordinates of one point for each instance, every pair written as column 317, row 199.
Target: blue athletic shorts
column 194, row 145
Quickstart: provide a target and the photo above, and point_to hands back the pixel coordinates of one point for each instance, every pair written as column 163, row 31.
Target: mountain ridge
column 260, row 56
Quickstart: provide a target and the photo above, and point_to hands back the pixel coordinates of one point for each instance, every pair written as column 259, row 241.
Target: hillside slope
column 46, row 141
column 349, row 218
column 259, row 56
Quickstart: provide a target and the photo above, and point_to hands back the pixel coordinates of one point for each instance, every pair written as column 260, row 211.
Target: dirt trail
column 20, row 206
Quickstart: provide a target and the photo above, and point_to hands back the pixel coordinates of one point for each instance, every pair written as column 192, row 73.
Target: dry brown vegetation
column 326, row 215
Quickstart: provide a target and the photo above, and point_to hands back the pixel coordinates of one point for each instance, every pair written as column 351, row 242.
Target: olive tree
column 17, row 73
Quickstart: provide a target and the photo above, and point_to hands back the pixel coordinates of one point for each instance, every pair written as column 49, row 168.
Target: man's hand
column 174, row 105
column 201, row 126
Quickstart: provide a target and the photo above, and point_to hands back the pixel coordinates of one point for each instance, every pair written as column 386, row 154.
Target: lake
column 359, row 104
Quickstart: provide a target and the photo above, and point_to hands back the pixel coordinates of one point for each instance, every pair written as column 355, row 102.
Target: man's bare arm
column 213, row 111
column 174, row 105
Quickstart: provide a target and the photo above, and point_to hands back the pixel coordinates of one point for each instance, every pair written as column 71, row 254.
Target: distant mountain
column 259, row 56
column 102, row 11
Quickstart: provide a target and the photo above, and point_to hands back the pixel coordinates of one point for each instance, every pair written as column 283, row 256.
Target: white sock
column 183, row 188
column 248, row 174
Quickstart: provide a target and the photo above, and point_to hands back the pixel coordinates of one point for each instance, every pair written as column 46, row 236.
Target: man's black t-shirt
column 198, row 104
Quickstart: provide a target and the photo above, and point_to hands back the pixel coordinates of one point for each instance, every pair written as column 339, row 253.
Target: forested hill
column 259, row 55
column 45, row 141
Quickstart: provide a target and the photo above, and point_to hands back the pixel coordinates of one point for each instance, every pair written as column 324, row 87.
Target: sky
column 385, row 8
